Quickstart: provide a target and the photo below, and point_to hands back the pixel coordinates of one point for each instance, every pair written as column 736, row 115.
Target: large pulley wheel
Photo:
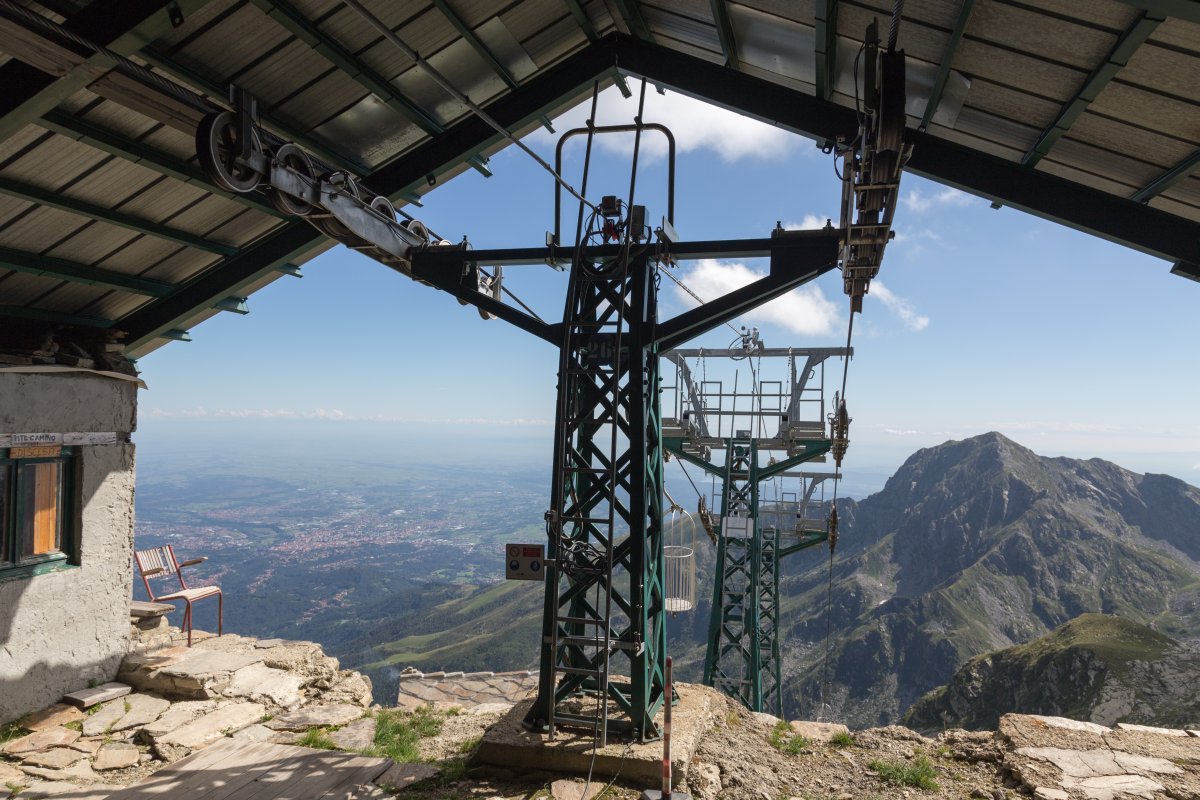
column 219, row 148
column 491, row 287
column 382, row 206
column 295, row 159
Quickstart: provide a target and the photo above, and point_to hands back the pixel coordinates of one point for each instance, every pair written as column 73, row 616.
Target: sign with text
column 525, row 562
column 35, row 452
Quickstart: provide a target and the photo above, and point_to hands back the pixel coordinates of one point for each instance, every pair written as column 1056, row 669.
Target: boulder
column 818, row 731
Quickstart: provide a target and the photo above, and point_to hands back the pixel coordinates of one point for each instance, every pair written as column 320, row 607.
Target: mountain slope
column 1096, row 667
column 976, row 545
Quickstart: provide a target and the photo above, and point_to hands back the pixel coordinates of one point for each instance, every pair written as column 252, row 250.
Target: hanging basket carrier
column 679, row 557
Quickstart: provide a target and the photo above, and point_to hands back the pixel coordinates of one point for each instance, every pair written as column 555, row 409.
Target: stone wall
column 59, row 631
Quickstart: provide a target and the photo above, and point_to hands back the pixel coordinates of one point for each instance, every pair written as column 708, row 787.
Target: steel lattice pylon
column 604, row 593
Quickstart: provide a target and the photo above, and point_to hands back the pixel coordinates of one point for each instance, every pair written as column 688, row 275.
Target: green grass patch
column 317, row 738
column 842, row 739
column 11, row 731
column 919, row 772
column 14, row 788
column 785, row 741
column 469, row 745
column 398, row 733
column 74, row 726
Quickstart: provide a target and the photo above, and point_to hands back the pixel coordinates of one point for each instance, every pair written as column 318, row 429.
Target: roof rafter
column 826, row 46
column 1182, row 9
column 294, row 21
column 1117, row 58
column 480, row 48
column 632, row 15
column 581, row 19
column 1168, row 179
column 725, row 33
column 943, row 75
column 27, row 93
column 56, row 317
column 73, row 272
column 63, row 202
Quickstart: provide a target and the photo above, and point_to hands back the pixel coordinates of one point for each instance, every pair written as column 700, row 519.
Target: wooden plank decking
column 233, row 770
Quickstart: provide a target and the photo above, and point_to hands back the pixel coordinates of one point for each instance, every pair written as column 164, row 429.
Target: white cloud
column 899, row 306
column 899, row 432
column 695, row 124
column 811, row 222
column 916, row 201
column 804, row 311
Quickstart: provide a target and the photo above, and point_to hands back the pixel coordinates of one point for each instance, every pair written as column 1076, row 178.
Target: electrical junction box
column 525, row 562
column 737, row 527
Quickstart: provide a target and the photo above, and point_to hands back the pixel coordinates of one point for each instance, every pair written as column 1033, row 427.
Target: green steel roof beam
column 826, row 46
column 151, row 158
column 290, row 269
column 482, row 49
column 232, row 303
column 219, row 93
column 122, row 26
column 725, row 32
column 74, row 272
column 55, row 317
column 633, row 19
column 943, row 75
column 581, row 19
column 1168, row 179
column 303, row 29
column 177, row 335
column 1181, row 9
column 1186, row 269
column 62, row 202
column 1124, row 49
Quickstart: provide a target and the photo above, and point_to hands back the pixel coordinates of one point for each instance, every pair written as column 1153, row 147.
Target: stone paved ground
column 182, row 699
column 464, row 689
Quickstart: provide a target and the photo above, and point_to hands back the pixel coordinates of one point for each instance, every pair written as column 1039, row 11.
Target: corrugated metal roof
column 1129, row 129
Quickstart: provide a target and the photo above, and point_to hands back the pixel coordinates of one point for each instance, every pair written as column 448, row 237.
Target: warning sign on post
column 525, row 562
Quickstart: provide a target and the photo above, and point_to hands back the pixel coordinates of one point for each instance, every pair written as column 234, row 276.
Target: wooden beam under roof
column 1118, row 57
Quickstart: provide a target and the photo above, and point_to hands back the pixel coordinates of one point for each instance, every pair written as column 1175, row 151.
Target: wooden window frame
column 12, row 514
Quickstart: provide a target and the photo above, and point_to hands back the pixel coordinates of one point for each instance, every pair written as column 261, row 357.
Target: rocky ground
column 180, row 700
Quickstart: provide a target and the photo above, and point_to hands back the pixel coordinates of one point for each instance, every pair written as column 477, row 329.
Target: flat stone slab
column 358, row 735
column 1129, row 726
column 86, row 746
column 401, row 776
column 260, row 682
column 86, row 698
column 1048, row 793
column 255, row 733
column 54, row 758
column 1097, row 763
column 141, row 710
column 316, row 717
column 115, row 756
column 79, row 771
column 140, row 608
column 563, row 789
column 52, row 717
column 103, row 720
column 507, row 744
column 208, row 663
column 42, row 740
column 73, row 791
column 10, row 774
column 818, row 731
column 178, row 715
column 208, row 729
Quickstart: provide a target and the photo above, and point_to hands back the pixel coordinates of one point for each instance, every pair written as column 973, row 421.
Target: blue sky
column 981, row 320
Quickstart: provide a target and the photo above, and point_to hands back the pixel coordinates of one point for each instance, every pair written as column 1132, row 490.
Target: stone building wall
column 58, row 631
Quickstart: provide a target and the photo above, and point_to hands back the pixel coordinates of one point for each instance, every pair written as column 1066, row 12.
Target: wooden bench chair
column 161, row 562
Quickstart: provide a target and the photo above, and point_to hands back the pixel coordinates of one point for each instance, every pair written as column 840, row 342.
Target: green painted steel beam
column 62, row 202
column 121, row 26
column 22, row 312
column 290, row 269
column 74, row 272
column 826, row 46
column 720, row 12
column 1117, row 58
column 286, row 132
column 581, row 19
column 632, row 14
column 294, row 21
column 151, row 158
column 813, row 539
column 1168, row 179
column 177, row 335
column 1180, row 9
column 237, row 305
column 481, row 49
column 1186, row 269
column 943, row 75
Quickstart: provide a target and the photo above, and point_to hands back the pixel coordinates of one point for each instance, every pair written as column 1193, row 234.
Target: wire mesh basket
column 679, row 563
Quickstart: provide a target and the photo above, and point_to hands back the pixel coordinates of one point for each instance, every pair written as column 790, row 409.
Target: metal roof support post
column 1168, row 179
column 725, row 31
column 1117, row 58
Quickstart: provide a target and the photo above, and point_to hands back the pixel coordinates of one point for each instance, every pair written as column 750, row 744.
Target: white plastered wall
column 61, row 630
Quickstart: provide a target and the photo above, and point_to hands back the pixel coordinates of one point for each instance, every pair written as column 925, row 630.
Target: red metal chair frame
column 161, row 561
